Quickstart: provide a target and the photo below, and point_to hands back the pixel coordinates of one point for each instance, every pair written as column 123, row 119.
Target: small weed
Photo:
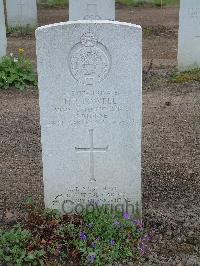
column 147, row 31
column 193, row 74
column 16, row 72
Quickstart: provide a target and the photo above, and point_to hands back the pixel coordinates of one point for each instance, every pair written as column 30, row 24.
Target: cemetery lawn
column 171, row 139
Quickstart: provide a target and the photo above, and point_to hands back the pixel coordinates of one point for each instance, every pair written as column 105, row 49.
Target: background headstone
column 21, row 13
column 91, row 10
column 90, row 104
column 189, row 35
column 3, row 41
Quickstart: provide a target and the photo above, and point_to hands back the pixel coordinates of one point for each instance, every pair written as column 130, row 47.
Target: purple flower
column 82, row 235
column 117, row 223
column 139, row 224
column 126, row 216
column 112, row 242
column 143, row 248
column 98, row 238
column 91, row 257
column 154, row 226
column 93, row 244
column 89, row 225
column 145, row 238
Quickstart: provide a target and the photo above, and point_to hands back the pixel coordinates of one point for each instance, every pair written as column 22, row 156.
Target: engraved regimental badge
column 92, row 12
column 89, row 60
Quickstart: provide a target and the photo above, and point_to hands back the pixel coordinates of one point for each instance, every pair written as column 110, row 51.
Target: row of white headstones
column 24, row 13
column 90, row 84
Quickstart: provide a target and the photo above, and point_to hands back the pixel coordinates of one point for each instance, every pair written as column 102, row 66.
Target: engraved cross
column 21, row 4
column 91, row 150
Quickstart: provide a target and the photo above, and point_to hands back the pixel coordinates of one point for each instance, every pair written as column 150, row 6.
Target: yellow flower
column 21, row 50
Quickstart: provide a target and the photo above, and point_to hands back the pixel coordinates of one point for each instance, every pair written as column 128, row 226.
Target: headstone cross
column 91, row 150
column 21, row 4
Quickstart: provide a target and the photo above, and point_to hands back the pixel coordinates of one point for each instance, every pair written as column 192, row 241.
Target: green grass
column 185, row 76
column 165, row 2
column 141, row 2
column 63, row 3
column 20, row 31
column 54, row 3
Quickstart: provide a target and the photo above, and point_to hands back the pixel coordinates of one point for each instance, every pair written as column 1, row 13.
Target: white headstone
column 189, row 35
column 3, row 41
column 90, row 104
column 21, row 13
column 92, row 9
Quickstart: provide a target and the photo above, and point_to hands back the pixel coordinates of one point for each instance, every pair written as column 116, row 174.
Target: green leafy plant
column 16, row 72
column 13, row 245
